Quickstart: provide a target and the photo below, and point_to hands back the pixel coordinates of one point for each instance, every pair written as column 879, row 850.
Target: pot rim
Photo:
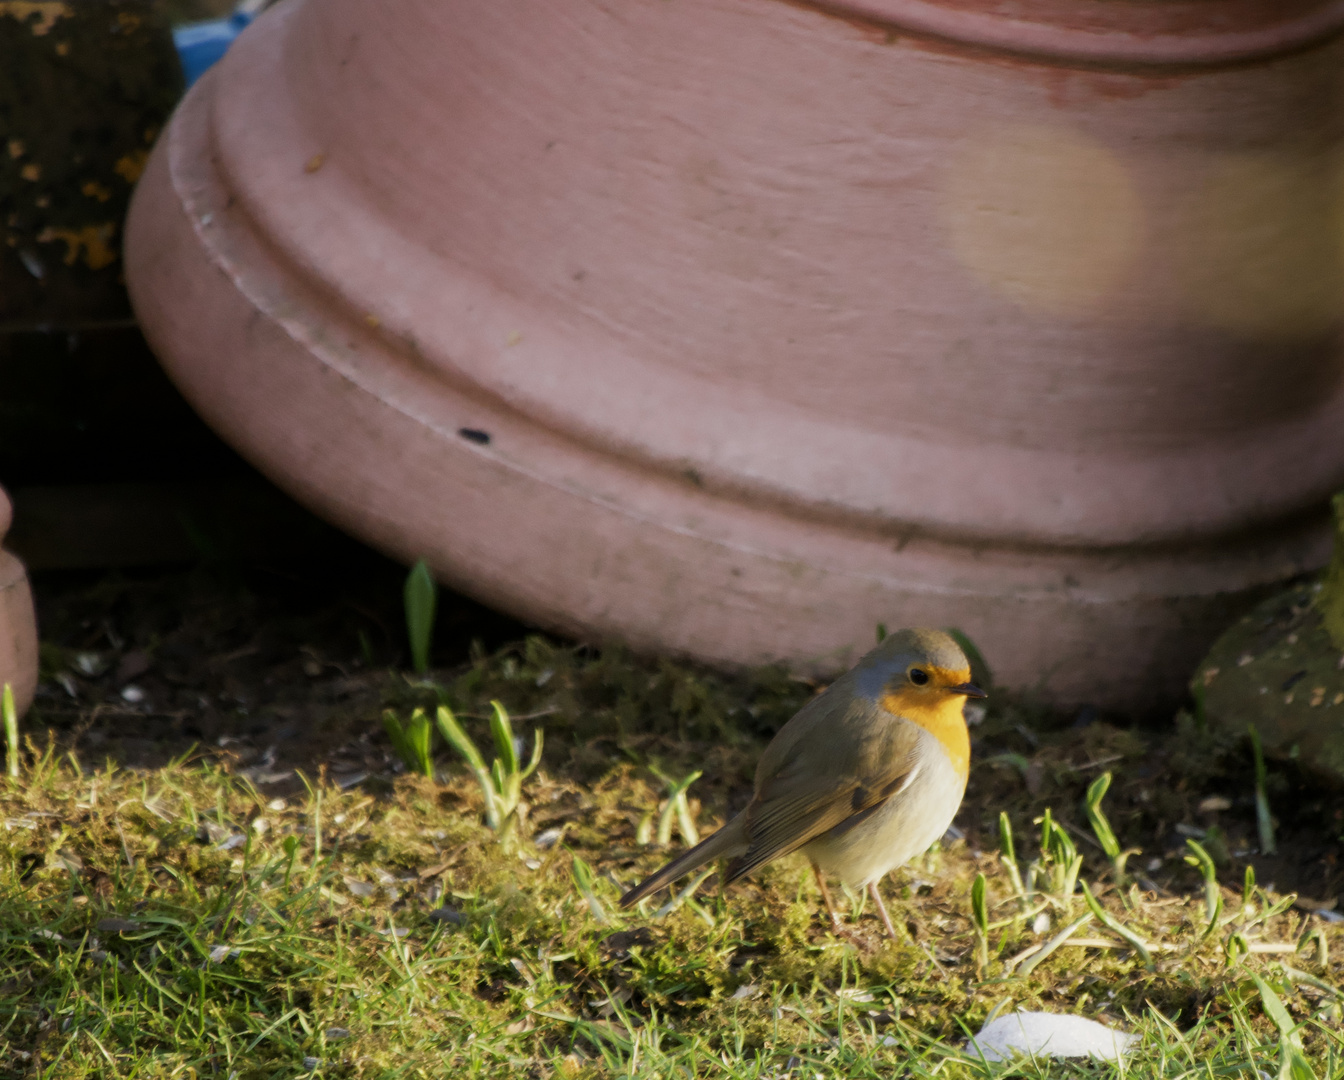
column 1144, row 33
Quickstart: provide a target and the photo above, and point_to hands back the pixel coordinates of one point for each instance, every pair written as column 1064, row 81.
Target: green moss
column 527, row 979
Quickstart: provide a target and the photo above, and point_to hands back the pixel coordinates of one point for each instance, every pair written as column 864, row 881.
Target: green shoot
column 412, row 741
column 586, row 883
column 979, row 669
column 980, row 917
column 1213, row 895
column 1059, row 856
column 644, row 830
column 1248, row 892
column 11, row 733
column 1029, row 964
column 1101, row 826
column 502, row 783
column 1118, row 928
column 1317, row 936
column 677, row 807
column 1264, row 822
column 421, row 597
column 1008, row 857
column 684, row 895
column 881, row 632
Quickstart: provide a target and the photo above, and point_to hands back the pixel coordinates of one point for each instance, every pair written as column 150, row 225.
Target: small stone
column 1036, row 1034
column 117, row 925
column 134, row 664
column 338, row 1033
column 448, row 914
column 1244, row 659
column 1215, row 803
column 132, row 694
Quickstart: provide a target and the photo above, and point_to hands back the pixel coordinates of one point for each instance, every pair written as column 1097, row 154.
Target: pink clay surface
column 782, row 320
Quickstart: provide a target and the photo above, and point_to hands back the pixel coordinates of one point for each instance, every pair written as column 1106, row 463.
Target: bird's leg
column 881, row 909
column 826, row 898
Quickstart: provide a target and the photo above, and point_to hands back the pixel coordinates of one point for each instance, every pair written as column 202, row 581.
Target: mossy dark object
column 1279, row 669
column 1331, row 601
column 85, row 88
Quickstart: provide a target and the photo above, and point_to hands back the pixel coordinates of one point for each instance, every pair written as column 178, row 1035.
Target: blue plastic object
column 200, row 44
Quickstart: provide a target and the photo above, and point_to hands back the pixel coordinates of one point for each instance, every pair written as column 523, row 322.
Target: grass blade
column 1116, row 927
column 11, row 733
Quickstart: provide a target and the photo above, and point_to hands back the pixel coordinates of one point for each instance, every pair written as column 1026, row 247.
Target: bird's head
column 915, row 671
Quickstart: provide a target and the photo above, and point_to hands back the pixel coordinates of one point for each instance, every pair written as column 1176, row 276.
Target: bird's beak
column 967, row 688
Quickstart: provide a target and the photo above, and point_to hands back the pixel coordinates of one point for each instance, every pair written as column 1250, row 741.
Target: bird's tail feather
column 727, row 841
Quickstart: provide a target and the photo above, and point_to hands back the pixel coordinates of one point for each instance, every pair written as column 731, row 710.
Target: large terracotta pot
column 735, row 327
column 18, row 625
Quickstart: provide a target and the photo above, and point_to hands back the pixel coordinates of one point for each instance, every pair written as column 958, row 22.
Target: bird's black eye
column 918, row 676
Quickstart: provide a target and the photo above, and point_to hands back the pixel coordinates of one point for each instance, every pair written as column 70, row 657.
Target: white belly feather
column 906, row 825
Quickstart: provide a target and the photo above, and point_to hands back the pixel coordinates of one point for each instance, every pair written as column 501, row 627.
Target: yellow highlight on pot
column 1048, row 218
column 1264, row 250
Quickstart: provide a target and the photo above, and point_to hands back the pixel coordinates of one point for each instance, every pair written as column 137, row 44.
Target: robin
column 866, row 775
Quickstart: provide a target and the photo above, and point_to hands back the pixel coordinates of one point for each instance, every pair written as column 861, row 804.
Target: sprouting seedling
column 1060, row 855
column 1213, row 896
column 1101, row 825
column 881, row 632
column 979, row 669
column 421, row 597
column 1248, row 892
column 1116, row 927
column 502, row 783
column 585, row 882
column 11, row 732
column 677, row 807
column 1264, row 822
column 412, row 740
column 1008, row 857
column 980, row 917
